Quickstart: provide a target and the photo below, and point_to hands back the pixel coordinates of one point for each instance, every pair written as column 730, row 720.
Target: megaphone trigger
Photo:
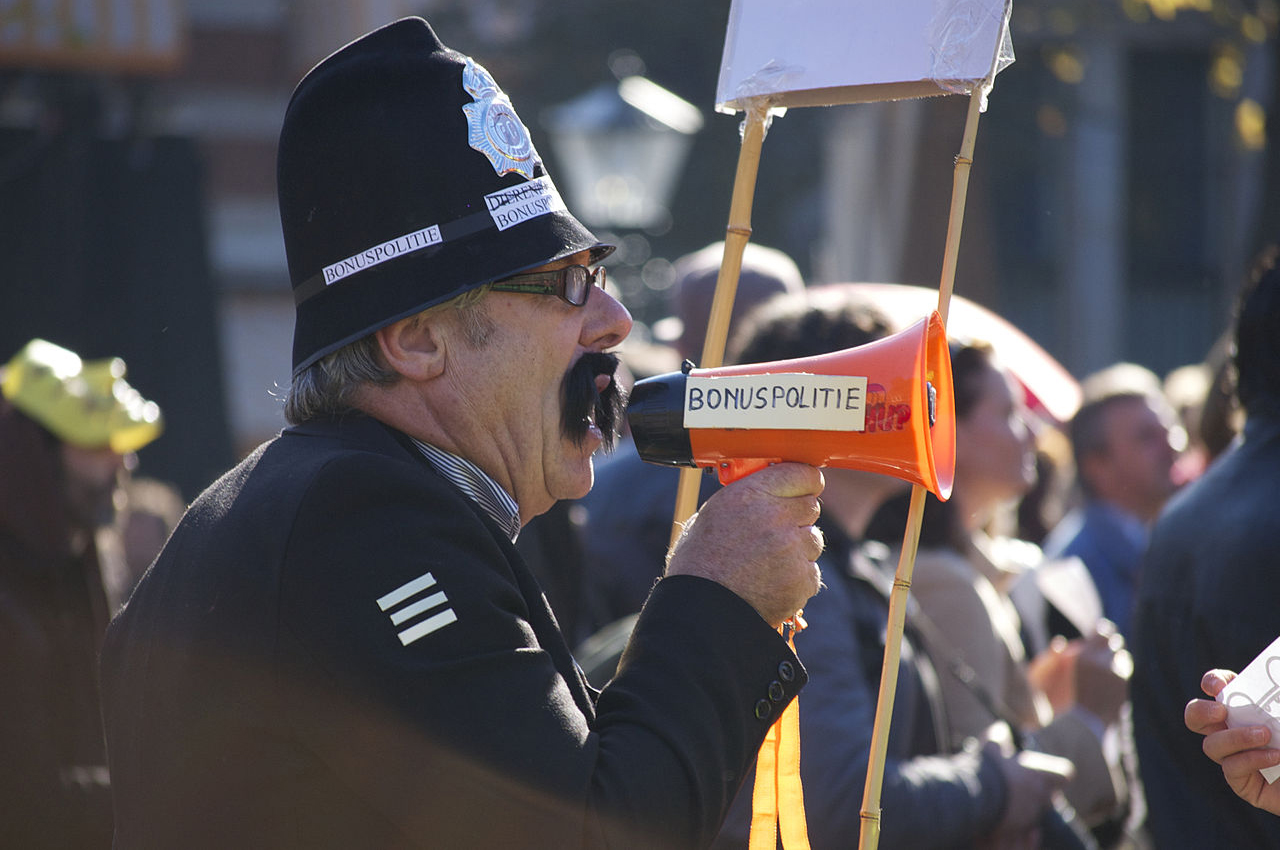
column 884, row 407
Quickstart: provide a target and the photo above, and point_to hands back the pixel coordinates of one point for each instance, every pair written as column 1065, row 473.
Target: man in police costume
column 340, row 646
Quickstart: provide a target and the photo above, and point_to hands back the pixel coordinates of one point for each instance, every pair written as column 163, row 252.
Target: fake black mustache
column 582, row 401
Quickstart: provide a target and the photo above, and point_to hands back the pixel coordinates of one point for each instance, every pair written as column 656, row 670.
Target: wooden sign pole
column 738, row 233
column 870, row 813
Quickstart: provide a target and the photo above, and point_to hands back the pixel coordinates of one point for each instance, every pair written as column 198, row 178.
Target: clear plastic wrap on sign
column 960, row 28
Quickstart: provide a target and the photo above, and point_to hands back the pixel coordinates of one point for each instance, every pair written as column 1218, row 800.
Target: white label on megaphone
column 789, row 401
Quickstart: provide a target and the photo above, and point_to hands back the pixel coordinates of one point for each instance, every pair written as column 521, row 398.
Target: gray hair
column 328, row 386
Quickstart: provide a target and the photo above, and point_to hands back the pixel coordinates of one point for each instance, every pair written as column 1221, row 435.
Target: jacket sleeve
column 437, row 699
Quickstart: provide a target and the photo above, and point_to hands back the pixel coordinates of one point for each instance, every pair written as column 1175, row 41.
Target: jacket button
column 787, row 671
column 763, row 709
column 776, row 692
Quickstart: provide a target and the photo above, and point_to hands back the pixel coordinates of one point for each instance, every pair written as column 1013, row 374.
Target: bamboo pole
column 870, row 813
column 737, row 234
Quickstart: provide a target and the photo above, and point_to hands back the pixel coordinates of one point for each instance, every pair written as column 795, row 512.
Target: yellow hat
column 88, row 404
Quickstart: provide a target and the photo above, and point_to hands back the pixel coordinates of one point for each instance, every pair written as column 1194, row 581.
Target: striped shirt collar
column 476, row 484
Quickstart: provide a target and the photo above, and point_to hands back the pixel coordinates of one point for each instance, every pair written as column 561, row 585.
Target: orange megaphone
column 885, row 407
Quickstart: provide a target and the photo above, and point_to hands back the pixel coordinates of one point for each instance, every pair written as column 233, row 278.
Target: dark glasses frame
column 571, row 283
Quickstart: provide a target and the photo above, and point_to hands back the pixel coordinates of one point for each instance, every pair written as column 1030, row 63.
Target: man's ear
column 413, row 348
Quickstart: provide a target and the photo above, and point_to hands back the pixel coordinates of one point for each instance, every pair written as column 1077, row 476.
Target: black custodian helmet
column 406, row 178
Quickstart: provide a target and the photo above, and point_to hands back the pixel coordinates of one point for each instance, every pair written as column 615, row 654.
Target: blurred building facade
column 1119, row 178
column 1117, row 187
column 137, row 188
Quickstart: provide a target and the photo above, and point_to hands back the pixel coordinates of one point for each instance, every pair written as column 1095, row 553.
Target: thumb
column 1215, row 680
column 786, row 480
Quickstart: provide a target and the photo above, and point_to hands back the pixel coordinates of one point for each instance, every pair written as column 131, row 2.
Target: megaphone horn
column 887, row 406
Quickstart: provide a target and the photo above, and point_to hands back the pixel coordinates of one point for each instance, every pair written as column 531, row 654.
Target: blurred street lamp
column 621, row 147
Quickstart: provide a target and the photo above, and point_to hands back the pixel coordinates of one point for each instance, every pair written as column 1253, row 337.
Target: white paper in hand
column 1253, row 698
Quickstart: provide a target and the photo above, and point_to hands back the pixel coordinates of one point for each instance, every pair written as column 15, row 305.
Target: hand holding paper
column 1236, row 748
column 1252, row 698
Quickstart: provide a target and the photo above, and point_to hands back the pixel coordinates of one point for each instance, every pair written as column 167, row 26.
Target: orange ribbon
column 777, row 800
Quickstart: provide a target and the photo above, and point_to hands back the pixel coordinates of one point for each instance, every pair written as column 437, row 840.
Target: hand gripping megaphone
column 887, row 407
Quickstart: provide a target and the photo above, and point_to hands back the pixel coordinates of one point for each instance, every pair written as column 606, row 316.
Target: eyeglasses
column 572, row 283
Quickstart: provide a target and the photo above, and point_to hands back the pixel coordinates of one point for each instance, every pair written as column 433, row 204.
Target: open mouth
column 593, row 403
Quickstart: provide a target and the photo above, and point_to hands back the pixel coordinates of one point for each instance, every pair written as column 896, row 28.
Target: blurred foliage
column 1242, row 72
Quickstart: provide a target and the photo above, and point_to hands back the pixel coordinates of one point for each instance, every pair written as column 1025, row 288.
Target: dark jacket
column 1209, row 597
column 338, row 649
column 54, row 790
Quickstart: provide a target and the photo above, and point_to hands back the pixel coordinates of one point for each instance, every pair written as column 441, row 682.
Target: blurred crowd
column 1029, row 612
column 1050, row 632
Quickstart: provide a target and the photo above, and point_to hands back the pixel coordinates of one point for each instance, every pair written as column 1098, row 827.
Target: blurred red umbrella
column 1050, row 390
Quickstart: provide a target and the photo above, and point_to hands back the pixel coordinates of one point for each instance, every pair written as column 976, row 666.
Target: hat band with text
column 503, row 209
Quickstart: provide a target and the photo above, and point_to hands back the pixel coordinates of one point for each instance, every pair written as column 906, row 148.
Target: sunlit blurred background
column 1122, row 180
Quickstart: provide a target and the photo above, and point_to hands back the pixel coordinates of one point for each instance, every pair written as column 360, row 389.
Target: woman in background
column 1068, row 700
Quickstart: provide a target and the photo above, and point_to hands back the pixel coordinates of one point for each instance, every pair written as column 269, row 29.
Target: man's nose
column 607, row 323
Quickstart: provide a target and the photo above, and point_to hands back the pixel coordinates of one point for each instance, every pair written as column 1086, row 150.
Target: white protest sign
column 1253, row 698
column 824, row 52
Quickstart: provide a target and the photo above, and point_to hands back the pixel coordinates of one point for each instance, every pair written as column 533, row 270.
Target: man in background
column 1208, row 599
column 67, row 427
column 1123, row 440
